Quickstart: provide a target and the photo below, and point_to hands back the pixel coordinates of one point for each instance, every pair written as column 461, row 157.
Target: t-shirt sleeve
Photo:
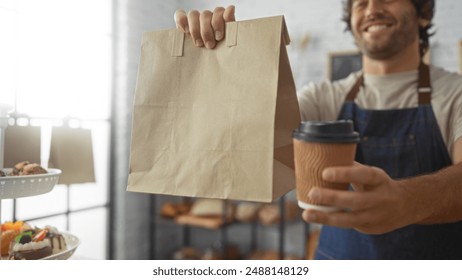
column 457, row 111
column 308, row 102
column 322, row 101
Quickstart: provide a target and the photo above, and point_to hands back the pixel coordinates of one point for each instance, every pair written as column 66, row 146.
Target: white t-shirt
column 323, row 101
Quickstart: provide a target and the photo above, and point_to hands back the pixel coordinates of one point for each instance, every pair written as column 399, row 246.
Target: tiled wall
column 315, row 28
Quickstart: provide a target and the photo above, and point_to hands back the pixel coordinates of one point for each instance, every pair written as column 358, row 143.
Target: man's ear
column 424, row 22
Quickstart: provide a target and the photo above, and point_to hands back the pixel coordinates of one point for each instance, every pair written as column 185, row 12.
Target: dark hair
column 425, row 10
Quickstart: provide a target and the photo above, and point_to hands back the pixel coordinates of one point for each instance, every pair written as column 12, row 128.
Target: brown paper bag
column 71, row 150
column 22, row 143
column 215, row 123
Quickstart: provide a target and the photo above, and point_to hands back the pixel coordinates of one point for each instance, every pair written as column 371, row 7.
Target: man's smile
column 375, row 28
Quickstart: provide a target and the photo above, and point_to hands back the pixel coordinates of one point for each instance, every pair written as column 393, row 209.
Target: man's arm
column 448, row 182
column 381, row 204
column 458, row 151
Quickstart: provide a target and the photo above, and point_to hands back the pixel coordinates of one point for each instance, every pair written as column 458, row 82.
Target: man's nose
column 374, row 7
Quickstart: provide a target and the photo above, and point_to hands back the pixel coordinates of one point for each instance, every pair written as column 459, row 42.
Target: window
column 56, row 64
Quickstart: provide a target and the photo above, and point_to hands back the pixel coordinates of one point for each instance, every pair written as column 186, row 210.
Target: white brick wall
column 448, row 22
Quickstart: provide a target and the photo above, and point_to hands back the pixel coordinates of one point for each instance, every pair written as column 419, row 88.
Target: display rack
column 29, row 185
column 158, row 223
column 12, row 187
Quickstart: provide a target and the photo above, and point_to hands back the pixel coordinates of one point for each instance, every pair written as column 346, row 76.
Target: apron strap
column 351, row 96
column 424, row 88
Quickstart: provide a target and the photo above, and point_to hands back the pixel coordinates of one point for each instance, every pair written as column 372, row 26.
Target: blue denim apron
column 403, row 142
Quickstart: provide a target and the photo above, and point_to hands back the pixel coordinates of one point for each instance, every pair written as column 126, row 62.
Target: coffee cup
column 318, row 145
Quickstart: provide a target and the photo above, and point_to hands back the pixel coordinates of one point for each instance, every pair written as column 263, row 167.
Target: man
column 407, row 198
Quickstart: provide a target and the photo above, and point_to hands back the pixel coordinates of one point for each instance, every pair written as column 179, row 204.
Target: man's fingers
column 340, row 199
column 354, row 220
column 338, row 219
column 358, row 174
column 361, row 221
column 207, row 33
column 195, row 28
column 218, row 23
column 181, row 20
column 228, row 15
column 205, row 28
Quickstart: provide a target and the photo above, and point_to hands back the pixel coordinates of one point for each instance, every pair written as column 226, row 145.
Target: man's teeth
column 375, row 28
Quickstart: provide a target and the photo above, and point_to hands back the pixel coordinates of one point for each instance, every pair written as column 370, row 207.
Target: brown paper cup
column 311, row 158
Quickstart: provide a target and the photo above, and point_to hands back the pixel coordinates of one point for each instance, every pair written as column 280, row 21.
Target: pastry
column 168, row 210
column 57, row 241
column 271, row 255
column 187, row 253
column 26, row 168
column 172, row 210
column 208, row 213
column 30, row 245
column 21, row 241
column 212, row 208
column 32, row 169
column 7, row 237
column 31, row 250
column 247, row 211
column 18, row 225
column 264, row 255
column 183, row 207
column 9, row 231
column 17, row 168
column 212, row 254
column 270, row 213
column 216, row 253
column 2, row 174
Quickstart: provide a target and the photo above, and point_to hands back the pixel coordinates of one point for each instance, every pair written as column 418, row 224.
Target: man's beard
column 395, row 42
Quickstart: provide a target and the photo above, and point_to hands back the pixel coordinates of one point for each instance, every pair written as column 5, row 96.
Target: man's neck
column 407, row 60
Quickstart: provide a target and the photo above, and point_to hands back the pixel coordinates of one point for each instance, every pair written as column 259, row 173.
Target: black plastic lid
column 341, row 131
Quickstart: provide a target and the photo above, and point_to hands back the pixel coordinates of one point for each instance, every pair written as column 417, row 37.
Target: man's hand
column 377, row 205
column 206, row 28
